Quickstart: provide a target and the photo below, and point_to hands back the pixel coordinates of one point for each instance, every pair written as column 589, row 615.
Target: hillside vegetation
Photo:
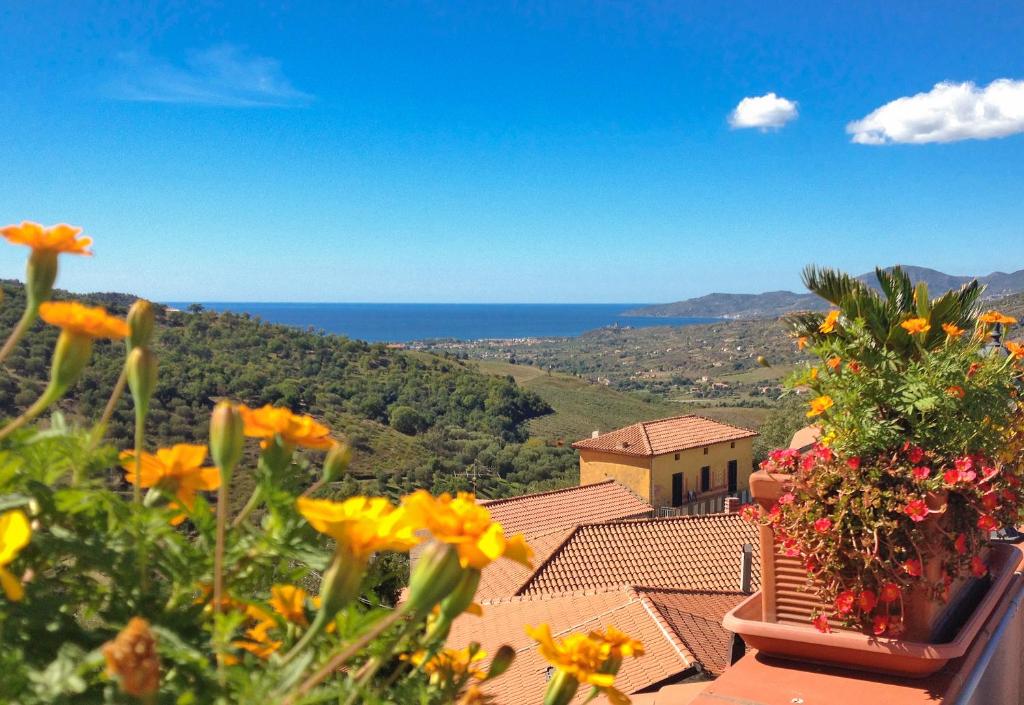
column 413, row 420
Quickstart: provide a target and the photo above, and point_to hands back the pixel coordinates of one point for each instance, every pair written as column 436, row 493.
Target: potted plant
column 877, row 526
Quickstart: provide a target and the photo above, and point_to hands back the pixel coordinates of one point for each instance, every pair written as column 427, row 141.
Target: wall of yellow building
column 634, row 473
column 690, row 463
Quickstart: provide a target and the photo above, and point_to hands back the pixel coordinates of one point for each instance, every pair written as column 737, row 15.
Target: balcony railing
column 703, row 504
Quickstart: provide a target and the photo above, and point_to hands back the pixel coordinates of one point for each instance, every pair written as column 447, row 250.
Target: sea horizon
column 412, row 322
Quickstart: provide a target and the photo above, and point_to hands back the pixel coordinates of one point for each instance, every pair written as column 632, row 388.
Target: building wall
column 634, row 473
column 690, row 463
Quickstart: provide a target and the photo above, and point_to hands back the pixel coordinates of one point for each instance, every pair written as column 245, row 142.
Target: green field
column 581, row 407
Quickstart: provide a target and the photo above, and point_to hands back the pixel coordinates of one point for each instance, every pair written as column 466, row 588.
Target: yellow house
column 688, row 461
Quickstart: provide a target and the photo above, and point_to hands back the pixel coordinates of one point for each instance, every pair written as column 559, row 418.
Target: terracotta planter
column 788, row 598
column 860, row 651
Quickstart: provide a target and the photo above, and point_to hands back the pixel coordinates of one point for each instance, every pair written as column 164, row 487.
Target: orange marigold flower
column 176, row 470
column 295, row 429
column 1016, row 350
column 87, row 321
column 952, row 330
column 956, row 391
column 829, row 324
column 916, row 325
column 820, row 405
column 581, row 656
column 992, row 317
column 801, row 342
column 56, row 238
column 132, row 658
column 364, row 525
column 833, row 363
column 289, row 601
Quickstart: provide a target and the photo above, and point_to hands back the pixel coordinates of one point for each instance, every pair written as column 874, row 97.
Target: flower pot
column 789, row 598
column 852, row 649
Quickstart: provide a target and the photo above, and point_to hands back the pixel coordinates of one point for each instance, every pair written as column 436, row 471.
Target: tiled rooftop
column 696, row 619
column 650, row 438
column 505, row 578
column 538, row 514
column 640, row 613
column 693, row 552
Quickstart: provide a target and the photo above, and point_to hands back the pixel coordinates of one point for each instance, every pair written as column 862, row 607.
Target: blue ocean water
column 401, row 323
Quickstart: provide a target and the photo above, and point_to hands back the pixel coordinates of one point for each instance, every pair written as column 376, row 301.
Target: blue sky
column 563, row 152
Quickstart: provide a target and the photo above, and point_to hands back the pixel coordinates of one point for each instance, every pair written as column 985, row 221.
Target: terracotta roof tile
column 504, row 622
column 649, row 438
column 504, row 578
column 545, row 512
column 692, row 552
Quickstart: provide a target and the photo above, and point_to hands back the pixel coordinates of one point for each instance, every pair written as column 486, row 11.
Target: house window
column 705, row 451
column 705, row 478
column 677, row 456
column 677, row 489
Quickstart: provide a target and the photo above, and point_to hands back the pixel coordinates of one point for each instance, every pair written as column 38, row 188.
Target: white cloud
column 220, row 75
column 949, row 112
column 767, row 112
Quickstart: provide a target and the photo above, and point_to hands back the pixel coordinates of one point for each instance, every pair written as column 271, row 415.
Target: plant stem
column 140, row 428
column 373, row 665
column 26, row 320
column 251, row 504
column 38, row 407
column 218, row 569
column 108, row 410
column 339, row 659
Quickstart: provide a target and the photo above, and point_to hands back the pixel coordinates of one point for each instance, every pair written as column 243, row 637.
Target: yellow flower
column 85, row 321
column 952, row 330
column 1016, row 350
column 467, row 526
column 289, row 601
column 132, row 658
column 259, row 642
column 582, row 657
column 829, row 324
column 916, row 325
column 294, row 429
column 619, row 643
column 364, row 525
column 820, row 405
column 56, row 238
column 991, row 317
column 15, row 533
column 450, row 665
column 177, row 470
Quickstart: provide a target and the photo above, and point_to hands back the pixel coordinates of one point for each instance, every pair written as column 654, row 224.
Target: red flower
column 951, row 477
column 823, row 525
column 824, row 452
column 890, row 592
column 853, row 367
column 978, row 568
column 912, row 567
column 987, row 523
column 821, row 624
column 1008, row 495
column 922, row 472
column 916, row 509
column 750, row 512
column 844, row 601
column 975, row 366
column 867, row 601
column 787, row 498
column 961, row 544
column 990, row 501
column 880, row 624
column 853, row 463
column 915, row 455
column 956, row 391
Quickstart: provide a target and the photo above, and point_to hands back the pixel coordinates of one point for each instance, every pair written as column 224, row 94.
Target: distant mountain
column 772, row 304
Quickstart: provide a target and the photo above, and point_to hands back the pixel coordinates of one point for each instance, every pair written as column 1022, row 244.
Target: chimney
column 732, row 505
column 746, row 563
column 595, row 433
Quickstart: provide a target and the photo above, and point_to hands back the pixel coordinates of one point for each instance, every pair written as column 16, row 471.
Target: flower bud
column 501, row 661
column 40, row 275
column 336, row 462
column 462, row 596
column 141, row 369
column 226, row 437
column 436, row 575
column 70, row 356
column 340, row 584
column 141, row 321
column 561, row 689
column 763, row 361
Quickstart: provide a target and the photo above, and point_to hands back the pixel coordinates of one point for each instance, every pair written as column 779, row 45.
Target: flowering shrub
column 920, row 456
column 123, row 578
